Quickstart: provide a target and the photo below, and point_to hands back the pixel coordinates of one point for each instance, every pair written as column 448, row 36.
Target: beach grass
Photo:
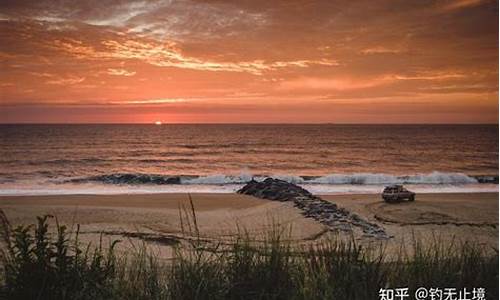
column 40, row 263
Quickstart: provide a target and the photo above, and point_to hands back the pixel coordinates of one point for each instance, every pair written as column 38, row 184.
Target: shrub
column 38, row 265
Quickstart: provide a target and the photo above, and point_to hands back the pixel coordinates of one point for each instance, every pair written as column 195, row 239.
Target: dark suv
column 397, row 193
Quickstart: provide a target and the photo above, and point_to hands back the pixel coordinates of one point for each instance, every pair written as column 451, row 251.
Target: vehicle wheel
column 412, row 198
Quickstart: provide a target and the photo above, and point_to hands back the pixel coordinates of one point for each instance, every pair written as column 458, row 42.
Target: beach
column 158, row 150
column 164, row 220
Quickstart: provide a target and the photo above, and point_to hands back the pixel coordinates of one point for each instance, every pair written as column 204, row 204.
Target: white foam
column 106, row 189
column 355, row 178
column 434, row 182
column 380, row 178
column 289, row 178
column 218, row 179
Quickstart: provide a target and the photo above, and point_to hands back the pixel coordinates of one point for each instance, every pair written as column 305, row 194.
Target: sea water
column 108, row 159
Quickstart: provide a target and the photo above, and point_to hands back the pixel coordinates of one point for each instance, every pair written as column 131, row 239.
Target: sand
column 161, row 220
column 449, row 217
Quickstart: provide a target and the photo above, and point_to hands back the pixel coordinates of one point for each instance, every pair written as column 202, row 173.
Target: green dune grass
column 37, row 264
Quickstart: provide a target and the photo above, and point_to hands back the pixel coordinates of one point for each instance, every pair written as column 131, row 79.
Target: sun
column 158, row 123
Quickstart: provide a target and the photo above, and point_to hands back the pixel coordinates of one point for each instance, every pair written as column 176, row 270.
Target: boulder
column 274, row 189
column 325, row 212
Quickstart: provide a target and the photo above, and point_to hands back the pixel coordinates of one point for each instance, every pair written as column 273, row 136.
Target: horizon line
column 230, row 123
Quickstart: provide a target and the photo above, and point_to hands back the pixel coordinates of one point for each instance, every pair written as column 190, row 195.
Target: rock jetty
column 127, row 178
column 325, row 212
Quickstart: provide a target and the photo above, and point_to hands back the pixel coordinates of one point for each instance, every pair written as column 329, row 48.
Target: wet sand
column 161, row 219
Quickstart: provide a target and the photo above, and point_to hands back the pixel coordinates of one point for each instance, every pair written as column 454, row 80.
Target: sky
column 249, row 61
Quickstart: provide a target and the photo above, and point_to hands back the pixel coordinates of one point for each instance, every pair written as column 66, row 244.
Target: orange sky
column 249, row 61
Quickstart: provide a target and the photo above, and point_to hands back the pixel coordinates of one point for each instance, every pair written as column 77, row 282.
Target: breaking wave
column 369, row 178
column 435, row 178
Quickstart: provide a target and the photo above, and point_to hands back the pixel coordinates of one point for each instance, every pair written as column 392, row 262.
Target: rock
column 325, row 212
column 274, row 189
column 129, row 178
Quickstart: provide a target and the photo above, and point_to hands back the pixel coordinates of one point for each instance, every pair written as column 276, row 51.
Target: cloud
column 338, row 84
column 430, row 76
column 66, row 80
column 151, row 101
column 380, row 50
column 121, row 72
column 194, row 20
column 168, row 55
column 461, row 4
column 269, row 53
column 98, row 13
column 345, row 84
column 42, row 74
column 159, row 19
column 123, row 12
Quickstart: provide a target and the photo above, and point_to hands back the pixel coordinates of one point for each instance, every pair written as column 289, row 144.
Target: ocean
column 107, row 159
